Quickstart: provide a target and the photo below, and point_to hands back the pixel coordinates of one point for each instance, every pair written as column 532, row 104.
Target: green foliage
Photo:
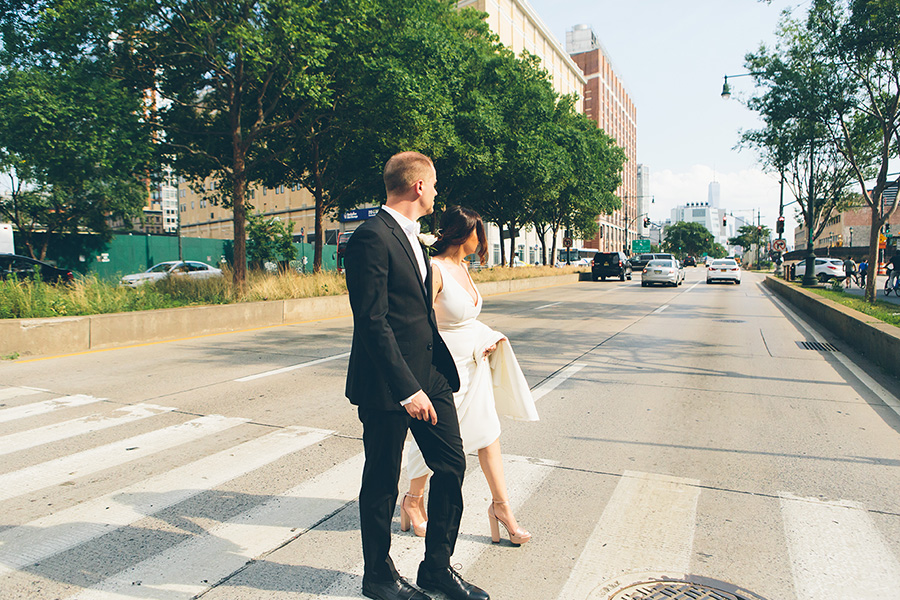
column 269, row 240
column 72, row 134
column 686, row 238
column 749, row 235
column 718, row 251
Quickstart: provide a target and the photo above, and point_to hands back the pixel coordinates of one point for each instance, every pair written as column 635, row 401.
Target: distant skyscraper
column 714, row 193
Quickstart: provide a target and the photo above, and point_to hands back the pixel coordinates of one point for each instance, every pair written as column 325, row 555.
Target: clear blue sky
column 672, row 56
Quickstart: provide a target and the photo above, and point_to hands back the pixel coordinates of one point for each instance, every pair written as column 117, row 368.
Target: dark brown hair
column 457, row 224
column 404, row 169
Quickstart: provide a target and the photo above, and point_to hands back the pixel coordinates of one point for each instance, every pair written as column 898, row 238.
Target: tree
column 839, row 70
column 269, row 240
column 73, row 137
column 749, row 235
column 687, row 238
column 223, row 71
column 718, row 251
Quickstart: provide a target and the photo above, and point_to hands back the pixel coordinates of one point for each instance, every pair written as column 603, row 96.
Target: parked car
column 665, row 271
column 24, row 267
column 724, row 269
column 611, row 264
column 826, row 269
column 174, row 268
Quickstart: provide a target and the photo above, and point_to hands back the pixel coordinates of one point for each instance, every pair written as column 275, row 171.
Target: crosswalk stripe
column 188, row 568
column 523, row 477
column 23, row 440
column 15, row 392
column 77, row 465
column 648, row 525
column 35, row 541
column 836, row 551
column 40, row 408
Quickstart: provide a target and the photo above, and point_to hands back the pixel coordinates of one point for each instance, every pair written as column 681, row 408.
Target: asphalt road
column 684, row 433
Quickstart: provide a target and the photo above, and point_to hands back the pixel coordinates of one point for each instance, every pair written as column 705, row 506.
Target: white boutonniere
column 427, row 239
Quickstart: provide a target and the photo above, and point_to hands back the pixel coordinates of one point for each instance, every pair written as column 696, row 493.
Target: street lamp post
column 809, row 275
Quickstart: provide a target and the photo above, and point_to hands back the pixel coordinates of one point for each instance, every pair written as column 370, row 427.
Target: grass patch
column 92, row 296
column 883, row 311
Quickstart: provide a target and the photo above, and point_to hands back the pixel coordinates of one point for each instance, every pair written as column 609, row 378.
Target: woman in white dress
column 491, row 381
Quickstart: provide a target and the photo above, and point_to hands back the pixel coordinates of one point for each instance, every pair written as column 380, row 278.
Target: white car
column 826, row 268
column 724, row 269
column 665, row 271
column 188, row 268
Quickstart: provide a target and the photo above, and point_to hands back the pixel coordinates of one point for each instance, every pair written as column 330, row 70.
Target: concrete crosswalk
column 647, row 524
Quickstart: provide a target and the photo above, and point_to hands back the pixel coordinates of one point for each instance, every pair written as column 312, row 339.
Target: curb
column 875, row 339
column 70, row 335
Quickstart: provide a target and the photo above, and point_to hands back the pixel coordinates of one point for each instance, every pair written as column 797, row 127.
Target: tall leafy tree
column 688, row 238
column 73, row 133
column 223, row 71
column 749, row 235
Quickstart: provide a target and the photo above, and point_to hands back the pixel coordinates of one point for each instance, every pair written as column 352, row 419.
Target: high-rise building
column 607, row 102
column 714, row 194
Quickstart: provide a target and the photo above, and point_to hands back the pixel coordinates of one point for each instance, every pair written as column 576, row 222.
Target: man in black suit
column 402, row 377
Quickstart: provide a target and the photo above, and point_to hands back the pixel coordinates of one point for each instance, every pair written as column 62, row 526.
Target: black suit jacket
column 395, row 335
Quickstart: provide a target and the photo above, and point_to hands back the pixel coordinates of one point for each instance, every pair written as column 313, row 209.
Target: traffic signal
column 646, row 221
column 779, row 226
column 724, row 221
column 887, row 230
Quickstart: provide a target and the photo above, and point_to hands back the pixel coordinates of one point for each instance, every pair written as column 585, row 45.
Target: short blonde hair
column 404, row 169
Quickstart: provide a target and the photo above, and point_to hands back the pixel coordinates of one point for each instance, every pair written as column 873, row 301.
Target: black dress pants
column 384, row 433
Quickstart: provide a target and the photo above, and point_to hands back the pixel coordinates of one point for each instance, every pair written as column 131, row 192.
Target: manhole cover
column 673, row 590
column 647, row 586
column 820, row 346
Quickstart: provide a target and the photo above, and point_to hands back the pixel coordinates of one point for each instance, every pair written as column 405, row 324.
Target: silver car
column 724, row 269
column 665, row 271
column 188, row 268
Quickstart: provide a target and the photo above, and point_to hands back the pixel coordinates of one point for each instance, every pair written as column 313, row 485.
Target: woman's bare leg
column 492, row 466
column 414, row 501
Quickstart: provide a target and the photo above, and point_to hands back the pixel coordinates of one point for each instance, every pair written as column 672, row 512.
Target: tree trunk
column 555, row 231
column 240, row 228
column 502, row 247
column 512, row 245
column 874, row 233
column 320, row 210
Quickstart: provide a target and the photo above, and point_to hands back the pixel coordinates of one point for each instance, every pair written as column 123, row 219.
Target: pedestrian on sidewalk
column 849, row 271
column 863, row 272
column 894, row 267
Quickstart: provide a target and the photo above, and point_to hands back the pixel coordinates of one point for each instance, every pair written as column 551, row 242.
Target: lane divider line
column 660, row 309
column 293, row 367
column 552, row 383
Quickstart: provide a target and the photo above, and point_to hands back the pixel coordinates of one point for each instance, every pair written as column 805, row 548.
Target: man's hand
column 420, row 408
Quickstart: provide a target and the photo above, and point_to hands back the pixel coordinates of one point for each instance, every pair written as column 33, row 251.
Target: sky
column 672, row 56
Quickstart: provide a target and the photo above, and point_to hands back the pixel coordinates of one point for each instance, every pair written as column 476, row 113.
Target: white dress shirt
column 411, row 229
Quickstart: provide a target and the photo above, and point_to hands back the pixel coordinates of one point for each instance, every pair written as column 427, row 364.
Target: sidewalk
column 879, row 291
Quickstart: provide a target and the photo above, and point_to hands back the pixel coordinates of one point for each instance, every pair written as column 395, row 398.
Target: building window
column 192, row 205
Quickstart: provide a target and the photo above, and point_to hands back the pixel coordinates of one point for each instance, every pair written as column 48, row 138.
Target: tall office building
column 608, row 103
column 714, row 194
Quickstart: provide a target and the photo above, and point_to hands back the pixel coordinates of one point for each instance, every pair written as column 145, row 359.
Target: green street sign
column 640, row 246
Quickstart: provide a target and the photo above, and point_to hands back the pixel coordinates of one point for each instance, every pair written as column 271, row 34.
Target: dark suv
column 23, row 267
column 610, row 264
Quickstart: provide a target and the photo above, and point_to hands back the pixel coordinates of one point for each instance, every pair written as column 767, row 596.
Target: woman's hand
column 490, row 350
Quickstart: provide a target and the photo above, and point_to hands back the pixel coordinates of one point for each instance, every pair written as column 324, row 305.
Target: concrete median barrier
column 877, row 340
column 68, row 335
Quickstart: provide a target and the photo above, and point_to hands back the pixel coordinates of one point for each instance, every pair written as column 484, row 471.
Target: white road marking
column 837, row 552
column 647, row 526
column 23, row 440
column 523, row 476
column 40, row 408
column 552, row 383
column 15, row 392
column 35, row 541
column 547, row 305
column 77, row 465
column 189, row 568
column 660, row 309
column 293, row 367
column 879, row 390
column 693, row 286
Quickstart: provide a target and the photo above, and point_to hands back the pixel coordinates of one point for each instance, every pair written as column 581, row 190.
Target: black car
column 610, row 264
column 23, row 267
column 690, row 261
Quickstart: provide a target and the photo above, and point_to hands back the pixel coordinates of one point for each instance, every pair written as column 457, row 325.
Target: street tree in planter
column 269, row 241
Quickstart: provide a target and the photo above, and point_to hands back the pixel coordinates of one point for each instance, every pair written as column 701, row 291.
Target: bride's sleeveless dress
column 487, row 386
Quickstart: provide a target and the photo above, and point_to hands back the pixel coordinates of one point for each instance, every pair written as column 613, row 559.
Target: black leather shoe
column 450, row 583
column 392, row 590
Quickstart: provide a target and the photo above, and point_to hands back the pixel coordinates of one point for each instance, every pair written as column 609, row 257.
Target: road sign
column 640, row 246
column 567, row 242
column 779, row 245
